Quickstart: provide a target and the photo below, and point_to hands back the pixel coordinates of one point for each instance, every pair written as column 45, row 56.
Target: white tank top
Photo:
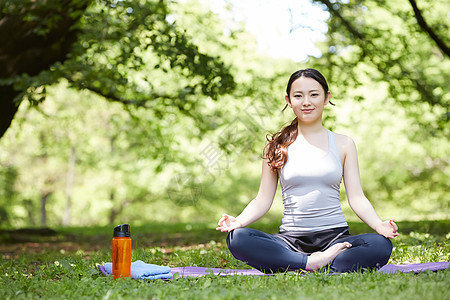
column 310, row 187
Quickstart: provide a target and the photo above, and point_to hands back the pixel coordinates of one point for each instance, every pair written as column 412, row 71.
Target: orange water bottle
column 121, row 251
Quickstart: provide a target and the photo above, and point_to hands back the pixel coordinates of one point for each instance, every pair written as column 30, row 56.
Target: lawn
column 62, row 264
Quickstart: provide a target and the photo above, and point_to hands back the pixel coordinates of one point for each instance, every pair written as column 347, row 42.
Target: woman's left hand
column 387, row 229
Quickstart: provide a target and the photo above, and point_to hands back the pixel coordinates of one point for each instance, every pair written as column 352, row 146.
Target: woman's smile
column 307, row 110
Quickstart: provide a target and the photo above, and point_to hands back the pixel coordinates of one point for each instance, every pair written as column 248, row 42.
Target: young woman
column 310, row 162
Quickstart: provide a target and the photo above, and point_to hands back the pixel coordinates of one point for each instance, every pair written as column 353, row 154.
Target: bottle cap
column 122, row 230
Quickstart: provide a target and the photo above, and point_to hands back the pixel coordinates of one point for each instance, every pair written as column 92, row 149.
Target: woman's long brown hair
column 276, row 148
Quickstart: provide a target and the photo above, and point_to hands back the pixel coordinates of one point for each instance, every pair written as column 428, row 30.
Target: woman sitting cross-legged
column 309, row 161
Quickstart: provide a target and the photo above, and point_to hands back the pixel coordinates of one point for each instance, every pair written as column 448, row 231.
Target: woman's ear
column 327, row 98
column 288, row 101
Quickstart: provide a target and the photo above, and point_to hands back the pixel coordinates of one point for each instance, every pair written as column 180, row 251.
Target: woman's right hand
column 228, row 223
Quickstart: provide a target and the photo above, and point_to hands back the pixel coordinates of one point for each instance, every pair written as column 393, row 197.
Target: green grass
column 63, row 266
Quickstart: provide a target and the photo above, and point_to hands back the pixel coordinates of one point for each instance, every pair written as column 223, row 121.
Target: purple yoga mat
column 202, row 271
column 387, row 269
column 416, row 268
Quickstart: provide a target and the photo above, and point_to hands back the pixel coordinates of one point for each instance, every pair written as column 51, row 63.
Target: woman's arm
column 355, row 195
column 258, row 207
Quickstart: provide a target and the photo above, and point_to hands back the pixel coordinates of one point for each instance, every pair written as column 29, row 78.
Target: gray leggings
column 270, row 254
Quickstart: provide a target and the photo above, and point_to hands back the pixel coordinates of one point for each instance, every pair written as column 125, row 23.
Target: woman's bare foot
column 318, row 260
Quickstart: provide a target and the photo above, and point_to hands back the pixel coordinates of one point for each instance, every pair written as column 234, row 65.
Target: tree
column 396, row 43
column 97, row 45
column 126, row 157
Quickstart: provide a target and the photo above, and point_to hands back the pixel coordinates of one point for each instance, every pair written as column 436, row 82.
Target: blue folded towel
column 142, row 270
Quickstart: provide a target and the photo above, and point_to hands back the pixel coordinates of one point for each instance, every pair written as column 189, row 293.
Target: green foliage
column 403, row 176
column 118, row 44
column 132, row 169
column 383, row 41
column 127, row 161
column 8, row 177
column 191, row 102
column 137, row 34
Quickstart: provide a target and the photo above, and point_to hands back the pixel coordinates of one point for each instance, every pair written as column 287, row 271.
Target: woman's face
column 307, row 99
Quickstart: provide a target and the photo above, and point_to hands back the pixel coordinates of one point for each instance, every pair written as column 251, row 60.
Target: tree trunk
column 8, row 107
column 117, row 209
column 28, row 203
column 44, row 198
column 114, row 211
column 24, row 51
column 69, row 187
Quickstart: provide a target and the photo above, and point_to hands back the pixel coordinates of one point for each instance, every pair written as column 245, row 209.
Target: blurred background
column 157, row 111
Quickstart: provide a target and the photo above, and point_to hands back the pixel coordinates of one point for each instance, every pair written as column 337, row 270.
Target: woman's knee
column 238, row 238
column 381, row 244
column 368, row 251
